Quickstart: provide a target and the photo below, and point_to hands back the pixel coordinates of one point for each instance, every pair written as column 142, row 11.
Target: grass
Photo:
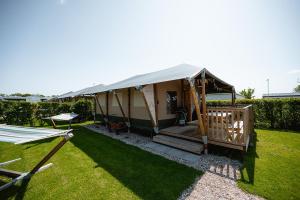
column 272, row 166
column 93, row 166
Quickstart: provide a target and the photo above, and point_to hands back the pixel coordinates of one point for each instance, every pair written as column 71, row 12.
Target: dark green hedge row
column 21, row 113
column 271, row 113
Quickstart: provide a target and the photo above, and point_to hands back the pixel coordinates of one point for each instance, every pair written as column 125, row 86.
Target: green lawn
column 272, row 166
column 92, row 166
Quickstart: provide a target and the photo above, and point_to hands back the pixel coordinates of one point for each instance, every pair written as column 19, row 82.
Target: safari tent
column 152, row 102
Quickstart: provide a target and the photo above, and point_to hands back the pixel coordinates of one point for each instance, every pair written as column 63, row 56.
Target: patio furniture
column 21, row 135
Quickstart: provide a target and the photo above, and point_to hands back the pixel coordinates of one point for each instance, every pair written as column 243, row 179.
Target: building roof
column 183, row 71
column 291, row 94
column 14, row 98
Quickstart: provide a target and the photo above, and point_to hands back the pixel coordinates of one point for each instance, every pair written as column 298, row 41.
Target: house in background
column 32, row 98
column 281, row 95
column 13, row 98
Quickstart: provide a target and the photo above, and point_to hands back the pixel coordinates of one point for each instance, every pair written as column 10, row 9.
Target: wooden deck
column 228, row 127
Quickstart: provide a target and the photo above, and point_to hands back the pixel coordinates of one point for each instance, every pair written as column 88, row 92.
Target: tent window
column 171, row 102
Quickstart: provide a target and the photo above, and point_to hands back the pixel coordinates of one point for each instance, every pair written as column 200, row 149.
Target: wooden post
column 182, row 93
column 107, row 107
column 121, row 108
column 156, row 104
column 100, row 107
column 95, row 109
column 204, row 110
column 233, row 96
column 200, row 121
column 53, row 123
column 129, row 108
column 197, row 107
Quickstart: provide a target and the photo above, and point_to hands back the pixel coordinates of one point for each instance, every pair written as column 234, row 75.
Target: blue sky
column 55, row 46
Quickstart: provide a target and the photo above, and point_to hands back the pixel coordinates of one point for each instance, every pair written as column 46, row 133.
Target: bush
column 271, row 113
column 1, row 112
column 19, row 113
column 64, row 108
column 83, row 109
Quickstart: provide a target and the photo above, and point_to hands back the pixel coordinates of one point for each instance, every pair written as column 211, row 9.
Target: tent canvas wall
column 144, row 100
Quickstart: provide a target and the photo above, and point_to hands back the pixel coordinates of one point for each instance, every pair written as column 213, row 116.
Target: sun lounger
column 20, row 135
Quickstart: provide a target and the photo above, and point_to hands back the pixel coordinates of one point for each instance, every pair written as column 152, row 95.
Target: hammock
column 20, row 135
column 62, row 117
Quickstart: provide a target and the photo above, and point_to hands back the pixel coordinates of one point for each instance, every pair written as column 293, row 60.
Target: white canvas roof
column 182, row 71
column 174, row 73
column 68, row 94
column 84, row 91
column 178, row 72
column 19, row 135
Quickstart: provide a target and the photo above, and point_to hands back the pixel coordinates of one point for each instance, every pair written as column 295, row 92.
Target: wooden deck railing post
column 198, row 112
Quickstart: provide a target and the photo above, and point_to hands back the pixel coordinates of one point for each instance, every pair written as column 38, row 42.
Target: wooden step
column 182, row 144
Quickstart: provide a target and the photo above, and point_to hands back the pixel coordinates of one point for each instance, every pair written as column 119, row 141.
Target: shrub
column 64, row 108
column 1, row 112
column 19, row 113
column 83, row 109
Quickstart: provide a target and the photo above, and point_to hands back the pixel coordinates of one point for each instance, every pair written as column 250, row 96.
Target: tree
column 248, row 93
column 297, row 89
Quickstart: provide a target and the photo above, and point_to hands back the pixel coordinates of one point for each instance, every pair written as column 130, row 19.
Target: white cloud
column 294, row 71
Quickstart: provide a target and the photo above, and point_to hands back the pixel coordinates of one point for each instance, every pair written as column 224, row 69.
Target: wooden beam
column 148, row 109
column 233, row 96
column 121, row 109
column 197, row 107
column 182, row 93
column 51, row 153
column 53, row 123
column 156, row 103
column 129, row 106
column 107, row 107
column 100, row 107
column 204, row 110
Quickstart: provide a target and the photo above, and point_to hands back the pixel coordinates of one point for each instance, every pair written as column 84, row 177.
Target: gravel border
column 220, row 172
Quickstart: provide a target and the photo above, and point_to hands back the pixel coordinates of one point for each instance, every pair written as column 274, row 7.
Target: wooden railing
column 231, row 125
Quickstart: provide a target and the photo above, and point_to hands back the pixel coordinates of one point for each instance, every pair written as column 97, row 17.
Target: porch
column 226, row 126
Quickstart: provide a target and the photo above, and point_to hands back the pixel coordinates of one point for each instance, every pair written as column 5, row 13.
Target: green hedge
column 83, row 108
column 25, row 113
column 271, row 113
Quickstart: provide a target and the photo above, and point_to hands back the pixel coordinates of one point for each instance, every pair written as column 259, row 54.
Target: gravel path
column 218, row 181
